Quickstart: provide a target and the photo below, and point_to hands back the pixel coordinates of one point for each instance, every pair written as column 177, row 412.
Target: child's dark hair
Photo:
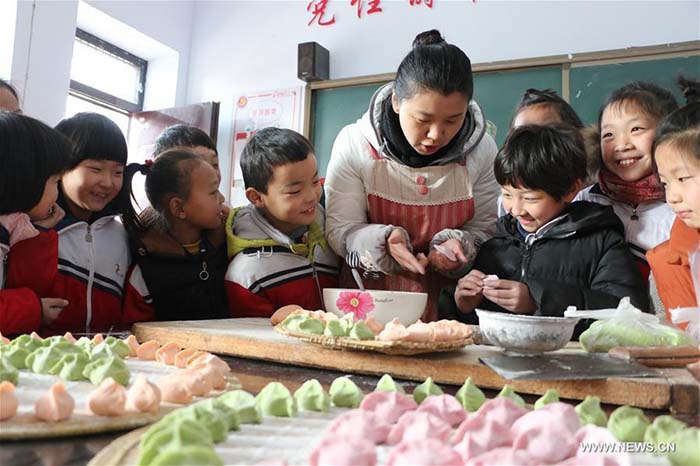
column 682, row 127
column 182, row 136
column 434, row 65
column 30, row 153
column 547, row 158
column 170, row 175
column 550, row 98
column 270, row 148
column 93, row 136
column 656, row 102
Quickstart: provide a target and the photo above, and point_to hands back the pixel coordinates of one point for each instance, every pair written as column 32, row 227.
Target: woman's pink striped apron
column 423, row 201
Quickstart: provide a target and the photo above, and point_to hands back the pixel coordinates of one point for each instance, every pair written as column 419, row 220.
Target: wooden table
column 253, row 374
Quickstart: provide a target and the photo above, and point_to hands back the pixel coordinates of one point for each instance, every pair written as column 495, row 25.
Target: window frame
column 104, row 99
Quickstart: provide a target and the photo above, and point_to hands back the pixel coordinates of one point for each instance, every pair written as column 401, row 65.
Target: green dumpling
column 312, row 397
column 508, row 392
column 85, row 343
column 276, row 400
column 28, row 343
column 360, row 331
column 71, row 366
column 115, row 345
column 337, row 328
column 43, row 359
column 345, row 393
column 15, row 355
column 687, row 444
column 244, row 404
column 303, row 324
column 186, row 456
column 426, row 389
column 470, row 396
column 628, row 424
column 172, row 433
column 550, row 396
column 216, row 406
column 214, row 421
column 8, row 372
column 387, row 384
column 662, row 429
column 590, row 412
column 54, row 340
column 108, row 366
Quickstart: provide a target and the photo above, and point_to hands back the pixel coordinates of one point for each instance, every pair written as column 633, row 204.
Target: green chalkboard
column 499, row 92
column 591, row 85
column 332, row 110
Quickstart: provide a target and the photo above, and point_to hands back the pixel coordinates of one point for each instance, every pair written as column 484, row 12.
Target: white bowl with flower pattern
column 381, row 305
column 523, row 333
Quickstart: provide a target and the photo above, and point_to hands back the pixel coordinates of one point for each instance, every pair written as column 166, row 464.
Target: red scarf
column 630, row 192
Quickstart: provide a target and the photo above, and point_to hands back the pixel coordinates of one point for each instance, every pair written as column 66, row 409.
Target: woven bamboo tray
column 405, row 348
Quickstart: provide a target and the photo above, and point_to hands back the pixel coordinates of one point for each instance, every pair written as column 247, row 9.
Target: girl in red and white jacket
column 32, row 158
column 87, row 253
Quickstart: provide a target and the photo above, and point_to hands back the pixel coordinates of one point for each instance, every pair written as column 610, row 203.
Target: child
column 180, row 259
column 545, row 107
column 548, row 253
column 278, row 250
column 626, row 180
column 411, row 183
column 33, row 158
column 87, row 253
column 191, row 139
column 676, row 159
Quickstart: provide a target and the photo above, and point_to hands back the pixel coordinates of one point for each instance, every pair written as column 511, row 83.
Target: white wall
column 244, row 46
column 43, row 48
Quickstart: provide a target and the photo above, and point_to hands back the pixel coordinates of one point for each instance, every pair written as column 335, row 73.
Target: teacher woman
column 410, row 189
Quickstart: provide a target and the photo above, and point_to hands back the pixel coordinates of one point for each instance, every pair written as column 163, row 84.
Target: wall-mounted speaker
column 312, row 64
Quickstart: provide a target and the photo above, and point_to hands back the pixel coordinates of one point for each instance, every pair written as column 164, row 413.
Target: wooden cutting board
column 674, row 390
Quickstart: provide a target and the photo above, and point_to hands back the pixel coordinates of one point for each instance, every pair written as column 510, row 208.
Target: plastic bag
column 688, row 318
column 626, row 326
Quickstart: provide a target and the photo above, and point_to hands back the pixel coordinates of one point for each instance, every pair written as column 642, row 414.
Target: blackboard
column 586, row 82
column 591, row 85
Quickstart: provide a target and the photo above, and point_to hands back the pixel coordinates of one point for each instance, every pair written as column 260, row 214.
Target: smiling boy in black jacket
column 548, row 253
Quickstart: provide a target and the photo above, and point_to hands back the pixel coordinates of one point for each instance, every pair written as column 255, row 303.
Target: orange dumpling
column 8, row 401
column 147, row 350
column 143, row 396
column 108, row 399
column 166, row 353
column 55, row 405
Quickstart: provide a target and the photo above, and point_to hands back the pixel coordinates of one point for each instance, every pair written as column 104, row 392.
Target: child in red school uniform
column 279, row 254
column 32, row 158
column 86, row 253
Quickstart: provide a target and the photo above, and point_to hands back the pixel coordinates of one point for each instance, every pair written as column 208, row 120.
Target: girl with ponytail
column 179, row 250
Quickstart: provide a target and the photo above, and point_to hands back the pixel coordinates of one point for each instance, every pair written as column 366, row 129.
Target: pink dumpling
column 477, row 435
column 343, row 451
column 8, row 401
column 359, row 423
column 502, row 455
column 597, row 459
column 393, row 331
column 420, row 331
column 388, row 406
column 502, row 410
column 446, row 407
column 415, row 426
column 562, row 414
column 428, row 451
column 591, row 434
column 544, row 437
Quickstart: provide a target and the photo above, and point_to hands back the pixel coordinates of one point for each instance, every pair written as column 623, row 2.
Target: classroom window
column 105, row 79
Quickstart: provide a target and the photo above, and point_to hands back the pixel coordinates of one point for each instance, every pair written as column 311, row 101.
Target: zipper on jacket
column 634, row 215
column 91, row 278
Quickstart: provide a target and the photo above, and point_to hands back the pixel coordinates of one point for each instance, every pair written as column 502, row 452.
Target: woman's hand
column 447, row 256
column 511, row 295
column 468, row 293
column 398, row 249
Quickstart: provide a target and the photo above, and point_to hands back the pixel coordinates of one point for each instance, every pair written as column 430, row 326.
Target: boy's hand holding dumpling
column 511, row 295
column 468, row 293
column 55, row 215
